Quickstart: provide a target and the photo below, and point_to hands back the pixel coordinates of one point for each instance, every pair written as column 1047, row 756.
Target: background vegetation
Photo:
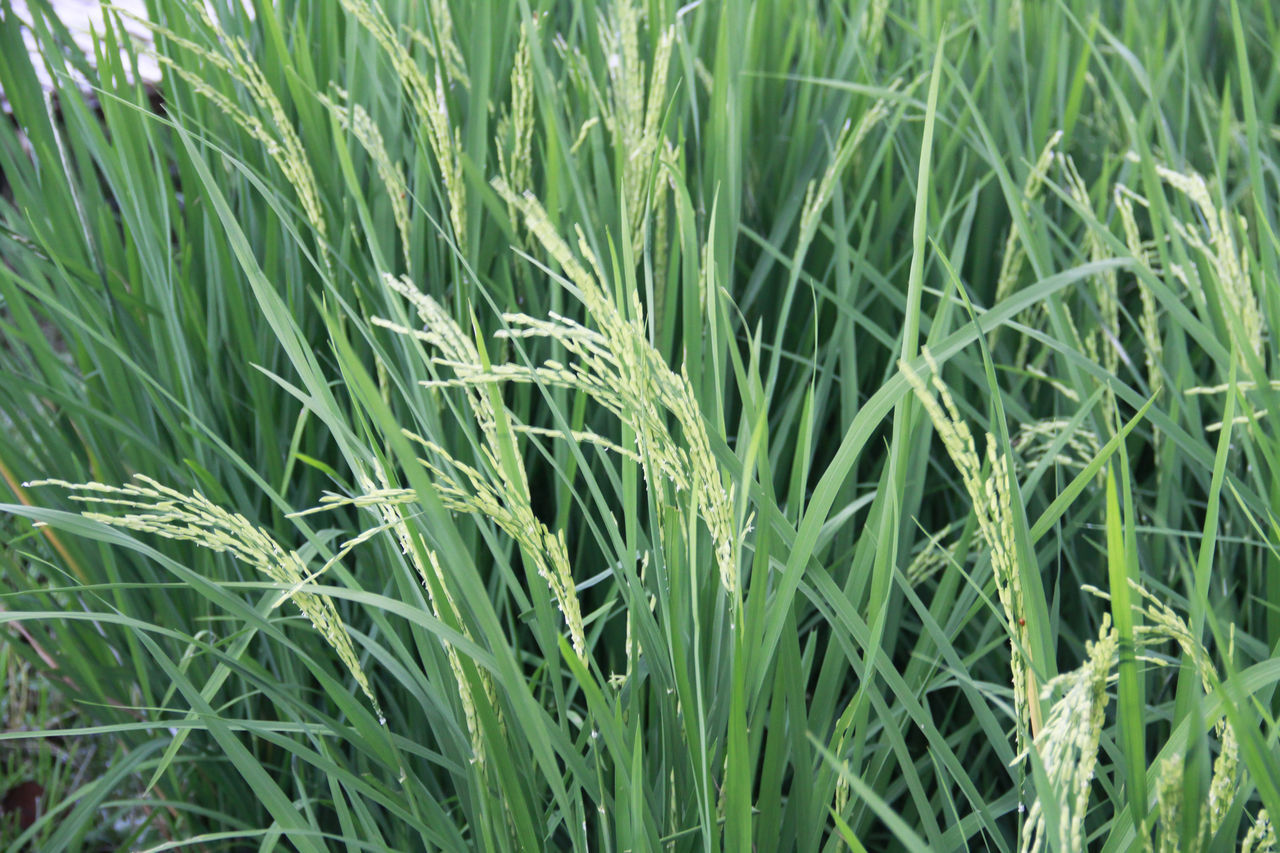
column 756, row 424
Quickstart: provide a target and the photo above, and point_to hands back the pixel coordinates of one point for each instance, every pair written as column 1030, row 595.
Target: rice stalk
column 1153, row 345
column 819, row 192
column 150, row 507
column 353, row 118
column 933, row 557
column 634, row 107
column 515, row 127
column 1034, row 442
column 991, row 498
column 1102, row 345
column 1227, row 258
column 1169, row 804
column 619, row 369
column 503, row 495
column 1261, row 837
column 1067, row 745
column 427, row 95
column 280, row 139
column 1014, row 255
column 387, row 502
column 454, row 64
column 873, row 18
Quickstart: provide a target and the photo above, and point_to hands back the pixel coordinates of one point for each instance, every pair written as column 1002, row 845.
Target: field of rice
column 640, row 425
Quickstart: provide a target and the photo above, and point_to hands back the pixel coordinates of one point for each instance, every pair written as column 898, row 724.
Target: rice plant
column 637, row 425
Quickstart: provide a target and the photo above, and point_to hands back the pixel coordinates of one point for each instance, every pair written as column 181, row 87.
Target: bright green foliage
column 626, row 425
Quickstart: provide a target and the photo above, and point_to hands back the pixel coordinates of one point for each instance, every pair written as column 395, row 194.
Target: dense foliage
column 633, row 425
